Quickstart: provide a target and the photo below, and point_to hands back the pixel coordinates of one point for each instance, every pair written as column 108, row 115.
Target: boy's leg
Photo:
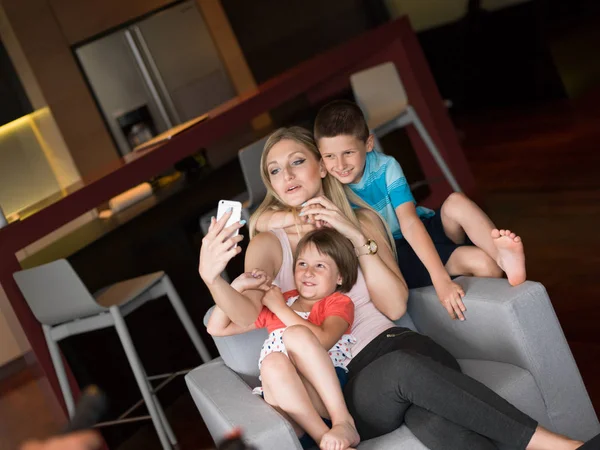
column 461, row 216
column 472, row 261
column 284, row 389
column 313, row 362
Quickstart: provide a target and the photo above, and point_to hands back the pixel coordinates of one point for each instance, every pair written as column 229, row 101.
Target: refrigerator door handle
column 147, row 78
column 156, row 74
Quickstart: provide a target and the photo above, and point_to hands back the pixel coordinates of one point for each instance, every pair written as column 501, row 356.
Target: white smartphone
column 236, row 213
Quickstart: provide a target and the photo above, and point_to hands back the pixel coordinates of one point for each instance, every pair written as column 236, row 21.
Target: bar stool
column 64, row 306
column 379, row 92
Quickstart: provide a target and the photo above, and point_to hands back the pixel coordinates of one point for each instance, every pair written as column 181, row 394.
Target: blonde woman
column 396, row 375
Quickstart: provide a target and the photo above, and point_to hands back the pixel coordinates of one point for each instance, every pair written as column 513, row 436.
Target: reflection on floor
column 25, row 412
column 538, row 173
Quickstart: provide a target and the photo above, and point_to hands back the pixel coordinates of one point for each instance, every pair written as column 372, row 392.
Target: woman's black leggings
column 403, row 376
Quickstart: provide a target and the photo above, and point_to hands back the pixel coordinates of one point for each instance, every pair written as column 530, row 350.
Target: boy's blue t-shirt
column 384, row 187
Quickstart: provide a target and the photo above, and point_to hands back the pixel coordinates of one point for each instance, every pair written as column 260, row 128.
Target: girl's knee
column 298, row 335
column 275, row 365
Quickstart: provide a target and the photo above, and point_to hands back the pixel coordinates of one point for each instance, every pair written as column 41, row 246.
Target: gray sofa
column 511, row 341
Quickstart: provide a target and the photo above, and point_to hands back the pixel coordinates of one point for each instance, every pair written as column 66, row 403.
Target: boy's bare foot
column 342, row 436
column 511, row 257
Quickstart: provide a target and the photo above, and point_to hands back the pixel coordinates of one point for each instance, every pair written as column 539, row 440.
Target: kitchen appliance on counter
column 155, row 74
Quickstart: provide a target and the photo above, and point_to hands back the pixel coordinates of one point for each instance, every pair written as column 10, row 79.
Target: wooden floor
column 538, row 172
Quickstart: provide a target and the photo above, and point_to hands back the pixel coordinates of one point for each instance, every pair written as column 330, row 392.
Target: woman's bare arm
column 217, row 250
column 385, row 282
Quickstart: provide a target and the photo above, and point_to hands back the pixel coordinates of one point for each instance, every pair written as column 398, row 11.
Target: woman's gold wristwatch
column 370, row 248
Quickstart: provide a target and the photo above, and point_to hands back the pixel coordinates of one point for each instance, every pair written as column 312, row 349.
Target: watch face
column 372, row 246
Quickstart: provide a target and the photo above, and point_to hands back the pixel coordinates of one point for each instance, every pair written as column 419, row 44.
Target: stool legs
column 185, row 319
column 140, row 376
column 165, row 422
column 161, row 413
column 59, row 368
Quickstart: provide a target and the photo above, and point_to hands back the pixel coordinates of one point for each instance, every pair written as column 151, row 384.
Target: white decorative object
column 128, row 198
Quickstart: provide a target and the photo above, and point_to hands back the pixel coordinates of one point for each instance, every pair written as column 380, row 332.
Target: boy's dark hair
column 341, row 117
column 331, row 243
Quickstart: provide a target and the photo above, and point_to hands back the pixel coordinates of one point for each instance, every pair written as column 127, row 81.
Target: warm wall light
column 16, row 125
column 23, row 122
column 32, row 118
column 28, row 174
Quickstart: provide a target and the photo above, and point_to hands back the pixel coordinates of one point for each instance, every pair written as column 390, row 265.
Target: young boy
column 431, row 244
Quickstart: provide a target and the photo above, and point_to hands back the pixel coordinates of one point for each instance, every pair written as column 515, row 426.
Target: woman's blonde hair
column 339, row 195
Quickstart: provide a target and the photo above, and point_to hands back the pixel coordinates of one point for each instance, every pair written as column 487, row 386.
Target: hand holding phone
column 236, row 213
column 214, row 256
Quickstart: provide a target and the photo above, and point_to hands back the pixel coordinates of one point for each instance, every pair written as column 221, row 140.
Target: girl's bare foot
column 511, row 256
column 342, row 436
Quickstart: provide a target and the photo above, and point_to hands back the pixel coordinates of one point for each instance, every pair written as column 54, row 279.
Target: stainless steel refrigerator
column 157, row 73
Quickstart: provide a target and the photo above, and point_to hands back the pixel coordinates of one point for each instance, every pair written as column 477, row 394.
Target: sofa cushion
column 400, row 438
column 513, row 383
column 241, row 352
column 406, row 321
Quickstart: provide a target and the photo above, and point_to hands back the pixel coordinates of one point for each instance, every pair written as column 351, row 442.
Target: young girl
column 302, row 324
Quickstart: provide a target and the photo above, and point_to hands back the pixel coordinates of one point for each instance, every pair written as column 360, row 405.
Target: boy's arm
column 413, row 230
column 270, row 220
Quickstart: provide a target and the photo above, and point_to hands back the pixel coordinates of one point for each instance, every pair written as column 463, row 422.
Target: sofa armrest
column 225, row 401
column 515, row 325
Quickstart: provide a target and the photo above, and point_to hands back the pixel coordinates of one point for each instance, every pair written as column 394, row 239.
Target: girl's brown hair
column 331, row 243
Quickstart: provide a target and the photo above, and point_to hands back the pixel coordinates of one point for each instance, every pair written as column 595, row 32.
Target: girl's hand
column 273, row 299
column 255, row 280
column 324, row 211
column 218, row 247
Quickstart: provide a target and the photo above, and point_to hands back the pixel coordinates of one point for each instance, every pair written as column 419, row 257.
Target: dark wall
column 490, row 60
column 276, row 35
column 13, row 100
column 484, row 60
